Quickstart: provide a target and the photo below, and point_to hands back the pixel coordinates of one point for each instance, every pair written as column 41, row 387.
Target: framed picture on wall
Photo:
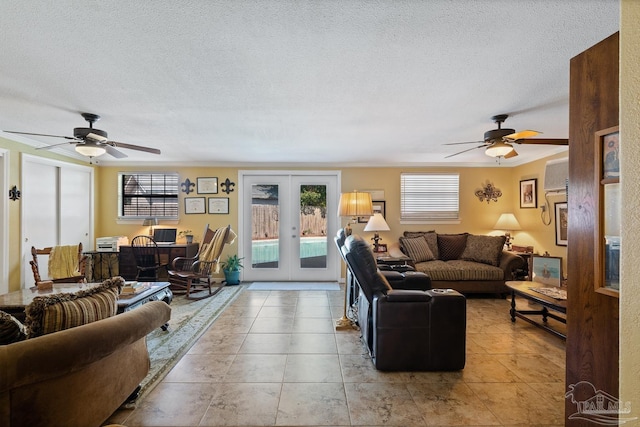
column 194, row 205
column 562, row 220
column 218, row 205
column 207, row 185
column 378, row 207
column 529, row 193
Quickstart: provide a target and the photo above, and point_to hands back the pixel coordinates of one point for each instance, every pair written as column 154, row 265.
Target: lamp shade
column 90, row 149
column 355, row 204
column 377, row 223
column 150, row 221
column 507, row 222
column 498, row 149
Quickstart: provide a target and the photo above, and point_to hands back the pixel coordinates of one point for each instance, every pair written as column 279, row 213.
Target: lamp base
column 344, row 323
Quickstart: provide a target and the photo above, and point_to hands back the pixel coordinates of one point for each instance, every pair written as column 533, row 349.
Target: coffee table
column 15, row 302
column 524, row 290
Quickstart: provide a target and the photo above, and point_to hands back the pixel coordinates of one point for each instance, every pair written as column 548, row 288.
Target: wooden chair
column 194, row 274
column 64, row 265
column 145, row 251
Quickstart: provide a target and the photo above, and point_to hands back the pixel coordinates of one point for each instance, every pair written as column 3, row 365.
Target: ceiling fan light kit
column 92, row 142
column 497, row 142
column 90, row 149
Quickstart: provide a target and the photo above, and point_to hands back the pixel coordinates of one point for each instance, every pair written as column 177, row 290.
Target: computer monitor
column 165, row 236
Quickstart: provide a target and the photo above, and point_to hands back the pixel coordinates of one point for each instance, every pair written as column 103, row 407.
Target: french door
column 288, row 221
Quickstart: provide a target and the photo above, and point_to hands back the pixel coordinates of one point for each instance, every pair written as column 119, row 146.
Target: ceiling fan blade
column 543, row 141
column 460, row 143
column 113, row 152
column 511, row 154
column 41, row 134
column 522, row 134
column 48, row 147
column 455, row 154
column 133, row 147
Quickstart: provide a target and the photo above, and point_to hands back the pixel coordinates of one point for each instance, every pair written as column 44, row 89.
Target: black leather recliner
column 406, row 330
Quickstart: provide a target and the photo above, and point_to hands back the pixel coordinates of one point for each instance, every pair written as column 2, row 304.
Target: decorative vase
column 232, row 277
column 189, row 239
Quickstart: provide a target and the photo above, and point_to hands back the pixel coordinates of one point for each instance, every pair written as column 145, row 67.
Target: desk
column 127, row 262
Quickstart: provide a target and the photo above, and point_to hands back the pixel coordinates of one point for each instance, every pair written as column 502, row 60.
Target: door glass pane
column 313, row 226
column 265, row 213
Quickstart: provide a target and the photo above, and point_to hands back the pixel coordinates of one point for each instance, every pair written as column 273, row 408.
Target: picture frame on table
column 207, row 185
column 382, row 248
column 562, row 223
column 547, row 270
column 529, row 193
column 194, row 205
column 218, row 205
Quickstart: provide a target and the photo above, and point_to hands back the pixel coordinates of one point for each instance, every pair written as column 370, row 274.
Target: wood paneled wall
column 592, row 318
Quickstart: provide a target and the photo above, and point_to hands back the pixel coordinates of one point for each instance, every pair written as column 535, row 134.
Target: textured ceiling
column 289, row 82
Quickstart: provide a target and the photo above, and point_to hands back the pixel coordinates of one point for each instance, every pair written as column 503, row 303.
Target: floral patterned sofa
column 465, row 262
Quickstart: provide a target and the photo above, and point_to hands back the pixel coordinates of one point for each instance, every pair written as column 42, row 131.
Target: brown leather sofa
column 406, row 330
column 77, row 376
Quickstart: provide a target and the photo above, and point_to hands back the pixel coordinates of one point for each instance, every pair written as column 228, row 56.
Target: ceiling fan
column 499, row 142
column 91, row 142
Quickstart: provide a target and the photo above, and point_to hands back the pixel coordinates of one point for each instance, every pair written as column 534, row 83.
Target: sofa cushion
column 459, row 270
column 484, row 249
column 430, row 236
column 52, row 313
column 417, row 248
column 451, row 246
column 11, row 330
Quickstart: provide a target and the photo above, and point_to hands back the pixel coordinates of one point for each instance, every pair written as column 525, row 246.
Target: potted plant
column 231, row 269
column 187, row 234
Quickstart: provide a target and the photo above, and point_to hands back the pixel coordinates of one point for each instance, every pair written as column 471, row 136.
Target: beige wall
column 630, row 182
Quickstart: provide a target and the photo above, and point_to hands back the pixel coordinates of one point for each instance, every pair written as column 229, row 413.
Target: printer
column 111, row 244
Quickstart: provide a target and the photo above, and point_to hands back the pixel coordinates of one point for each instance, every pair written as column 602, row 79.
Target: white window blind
column 429, row 196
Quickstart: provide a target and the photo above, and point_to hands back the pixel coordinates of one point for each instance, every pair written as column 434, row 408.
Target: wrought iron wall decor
column 187, row 186
column 227, row 186
column 14, row 193
column 488, row 192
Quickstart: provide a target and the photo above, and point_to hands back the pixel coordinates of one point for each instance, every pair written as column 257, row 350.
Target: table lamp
column 353, row 205
column 376, row 223
column 150, row 222
column 508, row 223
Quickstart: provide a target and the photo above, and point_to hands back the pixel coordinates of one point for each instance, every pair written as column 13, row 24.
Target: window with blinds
column 144, row 194
column 429, row 196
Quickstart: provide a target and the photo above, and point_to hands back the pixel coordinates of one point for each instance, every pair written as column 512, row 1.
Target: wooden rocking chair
column 194, row 274
column 64, row 265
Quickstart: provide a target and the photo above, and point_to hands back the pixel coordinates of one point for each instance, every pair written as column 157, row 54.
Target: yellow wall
column 476, row 217
column 630, row 182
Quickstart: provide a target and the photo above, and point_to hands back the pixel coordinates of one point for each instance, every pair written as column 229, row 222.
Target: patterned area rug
column 294, row 286
column 189, row 319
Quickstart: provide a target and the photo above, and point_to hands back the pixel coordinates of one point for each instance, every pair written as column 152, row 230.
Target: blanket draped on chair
column 63, row 262
column 211, row 251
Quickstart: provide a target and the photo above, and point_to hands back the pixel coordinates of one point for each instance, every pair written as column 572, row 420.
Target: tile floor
column 273, row 358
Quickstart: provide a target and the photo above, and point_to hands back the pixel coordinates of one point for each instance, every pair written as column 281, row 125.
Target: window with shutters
column 429, row 197
column 148, row 194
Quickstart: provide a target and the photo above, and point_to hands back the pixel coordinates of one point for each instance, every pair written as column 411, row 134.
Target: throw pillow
column 484, row 249
column 417, row 249
column 67, row 310
column 430, row 236
column 11, row 330
column 451, row 246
